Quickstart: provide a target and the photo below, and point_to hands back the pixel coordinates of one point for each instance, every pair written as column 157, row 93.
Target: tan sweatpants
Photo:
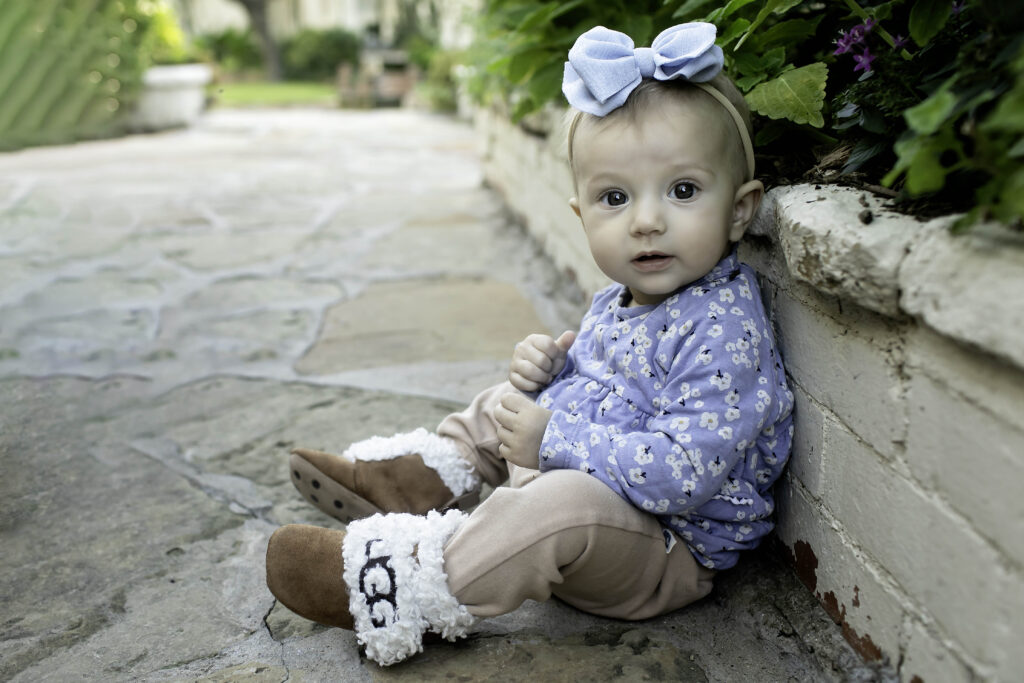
column 560, row 532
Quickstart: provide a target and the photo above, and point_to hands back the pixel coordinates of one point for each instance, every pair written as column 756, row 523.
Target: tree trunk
column 257, row 10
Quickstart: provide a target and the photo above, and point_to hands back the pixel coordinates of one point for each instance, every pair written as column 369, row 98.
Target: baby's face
column 656, row 196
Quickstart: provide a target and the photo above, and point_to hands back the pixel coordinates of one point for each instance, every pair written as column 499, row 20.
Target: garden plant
column 922, row 100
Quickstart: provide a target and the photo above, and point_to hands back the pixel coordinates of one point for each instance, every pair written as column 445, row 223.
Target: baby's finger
column 533, row 350
column 523, row 384
column 529, row 371
column 514, row 402
column 503, row 416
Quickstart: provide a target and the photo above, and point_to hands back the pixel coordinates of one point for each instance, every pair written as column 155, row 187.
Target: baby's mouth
column 652, row 260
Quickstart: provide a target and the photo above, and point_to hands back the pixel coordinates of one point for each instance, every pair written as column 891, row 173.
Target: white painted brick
column 805, row 463
column 939, row 561
column 873, row 609
column 945, row 277
column 927, row 659
column 852, row 371
column 974, row 459
column 983, row 379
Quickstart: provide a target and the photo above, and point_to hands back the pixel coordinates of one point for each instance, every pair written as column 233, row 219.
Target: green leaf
column 797, row 95
column 689, row 9
column 727, row 11
column 747, row 82
column 788, row 32
column 546, row 13
column 927, row 17
column 776, row 6
column 920, row 158
column 1008, row 114
column 735, row 29
column 639, row 27
column 928, row 116
column 523, row 64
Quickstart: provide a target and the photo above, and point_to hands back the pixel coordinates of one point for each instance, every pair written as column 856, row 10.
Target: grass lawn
column 282, row 94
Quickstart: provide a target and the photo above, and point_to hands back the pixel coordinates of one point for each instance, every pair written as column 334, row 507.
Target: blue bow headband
column 604, row 68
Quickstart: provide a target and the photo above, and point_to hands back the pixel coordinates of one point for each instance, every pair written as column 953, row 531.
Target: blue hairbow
column 604, row 68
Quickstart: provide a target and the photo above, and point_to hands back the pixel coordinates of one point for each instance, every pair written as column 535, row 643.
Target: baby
column 640, row 452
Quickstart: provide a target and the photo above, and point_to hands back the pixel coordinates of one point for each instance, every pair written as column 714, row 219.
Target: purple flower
column 899, row 42
column 959, row 7
column 844, row 44
column 863, row 61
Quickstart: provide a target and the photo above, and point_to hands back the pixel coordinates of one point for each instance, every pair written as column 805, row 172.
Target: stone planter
column 900, row 509
column 173, row 96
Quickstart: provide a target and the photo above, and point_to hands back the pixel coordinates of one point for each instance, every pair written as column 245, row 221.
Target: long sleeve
column 674, row 461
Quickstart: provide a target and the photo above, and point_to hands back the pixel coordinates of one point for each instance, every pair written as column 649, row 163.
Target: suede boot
column 412, row 473
column 384, row 578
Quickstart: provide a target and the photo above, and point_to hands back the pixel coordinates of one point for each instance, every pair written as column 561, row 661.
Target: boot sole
column 344, row 504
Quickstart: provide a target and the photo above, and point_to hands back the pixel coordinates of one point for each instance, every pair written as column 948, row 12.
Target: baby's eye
column 614, row 198
column 684, row 191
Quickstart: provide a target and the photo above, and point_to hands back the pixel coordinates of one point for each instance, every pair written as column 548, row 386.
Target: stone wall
column 901, row 509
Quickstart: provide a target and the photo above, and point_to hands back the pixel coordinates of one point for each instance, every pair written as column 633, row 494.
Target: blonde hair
column 650, row 92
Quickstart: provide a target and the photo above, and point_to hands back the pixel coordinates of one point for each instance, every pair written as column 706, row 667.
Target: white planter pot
column 173, row 96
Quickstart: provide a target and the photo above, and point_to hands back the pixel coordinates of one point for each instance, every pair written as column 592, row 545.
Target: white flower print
column 715, row 331
column 674, row 313
column 744, row 290
column 685, row 327
column 725, row 433
column 763, row 395
column 709, row 420
column 732, row 414
column 742, row 344
column 643, row 455
column 595, row 438
column 704, row 356
column 717, row 467
column 721, row 380
column 680, row 423
column 726, row 296
column 637, row 475
column 545, row 401
column 662, row 506
column 736, row 310
column 733, row 397
column 741, row 359
column 759, row 406
column 698, row 404
column 591, row 387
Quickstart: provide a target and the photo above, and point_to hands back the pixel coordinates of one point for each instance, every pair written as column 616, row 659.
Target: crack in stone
column 168, row 453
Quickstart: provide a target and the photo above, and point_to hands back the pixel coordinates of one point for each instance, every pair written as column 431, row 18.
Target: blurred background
column 79, row 69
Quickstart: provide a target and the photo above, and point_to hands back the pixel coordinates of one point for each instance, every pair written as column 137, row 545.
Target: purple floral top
column 682, row 408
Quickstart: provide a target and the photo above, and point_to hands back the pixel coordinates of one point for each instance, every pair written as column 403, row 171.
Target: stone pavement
column 178, row 310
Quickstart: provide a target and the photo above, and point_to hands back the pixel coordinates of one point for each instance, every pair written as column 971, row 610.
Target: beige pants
column 562, row 532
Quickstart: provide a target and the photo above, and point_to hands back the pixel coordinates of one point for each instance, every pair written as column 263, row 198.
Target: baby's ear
column 748, row 198
column 574, row 204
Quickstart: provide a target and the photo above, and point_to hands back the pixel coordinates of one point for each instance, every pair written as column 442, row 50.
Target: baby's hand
column 521, row 425
column 537, row 359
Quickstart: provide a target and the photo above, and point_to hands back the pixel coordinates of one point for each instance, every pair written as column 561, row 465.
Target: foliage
column 68, row 68
column 314, row 55
column 919, row 94
column 235, row 51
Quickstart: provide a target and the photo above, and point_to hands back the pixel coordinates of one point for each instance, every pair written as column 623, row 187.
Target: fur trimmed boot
column 384, row 579
column 413, row 472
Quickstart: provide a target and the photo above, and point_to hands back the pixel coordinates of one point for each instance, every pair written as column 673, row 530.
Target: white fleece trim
column 438, row 453
column 394, row 597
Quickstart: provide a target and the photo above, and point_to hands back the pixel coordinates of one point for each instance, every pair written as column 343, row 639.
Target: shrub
column 235, row 51
column 312, row 55
column 919, row 94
